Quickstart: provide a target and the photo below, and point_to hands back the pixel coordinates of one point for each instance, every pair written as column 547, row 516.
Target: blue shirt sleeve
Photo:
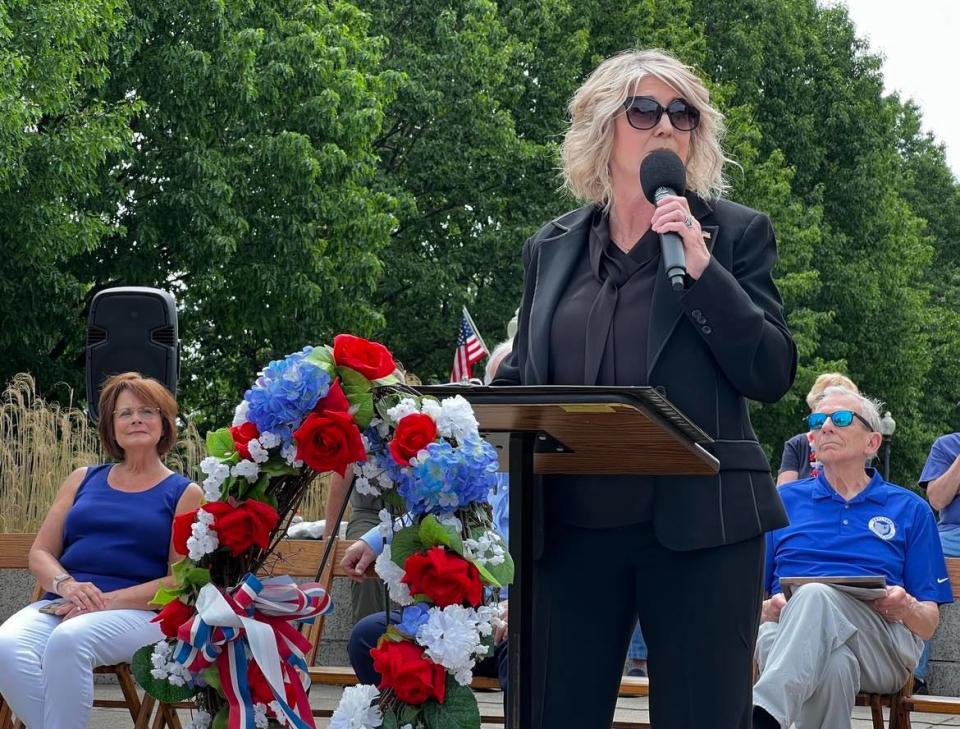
column 925, row 570
column 375, row 539
column 770, row 584
column 942, row 455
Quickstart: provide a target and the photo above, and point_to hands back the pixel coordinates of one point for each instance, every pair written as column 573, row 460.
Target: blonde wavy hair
column 588, row 143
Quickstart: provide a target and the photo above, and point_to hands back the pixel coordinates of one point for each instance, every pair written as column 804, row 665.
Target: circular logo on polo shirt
column 883, row 527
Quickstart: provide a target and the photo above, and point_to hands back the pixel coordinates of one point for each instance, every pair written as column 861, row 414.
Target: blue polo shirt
column 942, row 455
column 884, row 530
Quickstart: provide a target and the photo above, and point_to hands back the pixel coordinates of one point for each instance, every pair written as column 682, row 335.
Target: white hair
column 868, row 408
column 497, row 356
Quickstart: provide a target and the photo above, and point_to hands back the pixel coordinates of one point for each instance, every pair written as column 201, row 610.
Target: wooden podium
column 572, row 430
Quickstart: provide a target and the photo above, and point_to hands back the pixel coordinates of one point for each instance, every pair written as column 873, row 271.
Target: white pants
column 46, row 664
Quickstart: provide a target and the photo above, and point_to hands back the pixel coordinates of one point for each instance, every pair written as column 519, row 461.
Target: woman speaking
column 682, row 554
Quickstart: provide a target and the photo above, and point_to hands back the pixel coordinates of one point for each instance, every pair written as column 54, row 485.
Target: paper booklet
column 862, row 587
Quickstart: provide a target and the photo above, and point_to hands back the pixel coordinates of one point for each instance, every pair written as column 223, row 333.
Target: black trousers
column 699, row 612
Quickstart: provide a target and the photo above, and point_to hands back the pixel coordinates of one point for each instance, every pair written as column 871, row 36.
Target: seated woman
column 102, row 551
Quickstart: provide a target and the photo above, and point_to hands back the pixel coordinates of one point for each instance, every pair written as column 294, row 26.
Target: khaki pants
column 827, row 647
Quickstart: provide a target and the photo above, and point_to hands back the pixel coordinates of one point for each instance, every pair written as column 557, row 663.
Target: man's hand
column 772, row 608
column 500, row 632
column 896, row 607
column 357, row 559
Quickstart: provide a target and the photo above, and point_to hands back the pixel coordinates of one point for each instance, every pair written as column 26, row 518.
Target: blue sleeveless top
column 117, row 539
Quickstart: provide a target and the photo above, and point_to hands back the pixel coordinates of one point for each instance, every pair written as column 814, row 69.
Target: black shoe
column 920, row 687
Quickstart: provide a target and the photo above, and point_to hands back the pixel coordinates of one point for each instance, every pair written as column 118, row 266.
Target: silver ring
column 688, row 221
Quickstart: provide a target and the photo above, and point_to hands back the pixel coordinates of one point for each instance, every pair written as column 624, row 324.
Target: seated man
column 818, row 650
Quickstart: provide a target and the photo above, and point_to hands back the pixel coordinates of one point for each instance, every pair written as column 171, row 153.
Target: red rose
column 260, row 689
column 243, row 434
column 414, row 431
column 413, row 677
column 329, row 441
column 335, row 400
column 183, row 530
column 370, row 359
column 443, row 576
column 174, row 614
column 240, row 527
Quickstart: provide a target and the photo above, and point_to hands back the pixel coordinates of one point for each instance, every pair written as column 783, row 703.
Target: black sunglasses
column 644, row 112
column 840, row 418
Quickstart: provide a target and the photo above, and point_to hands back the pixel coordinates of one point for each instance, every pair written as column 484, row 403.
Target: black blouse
column 599, row 337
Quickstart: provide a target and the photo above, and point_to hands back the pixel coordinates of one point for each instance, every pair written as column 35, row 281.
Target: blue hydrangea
column 285, row 393
column 449, row 478
column 413, row 617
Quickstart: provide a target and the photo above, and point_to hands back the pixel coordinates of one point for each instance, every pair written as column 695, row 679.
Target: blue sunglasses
column 840, row 418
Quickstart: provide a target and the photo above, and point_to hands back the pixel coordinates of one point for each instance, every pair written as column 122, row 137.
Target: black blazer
column 711, row 347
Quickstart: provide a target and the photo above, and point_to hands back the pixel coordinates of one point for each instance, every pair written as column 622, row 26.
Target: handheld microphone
column 661, row 174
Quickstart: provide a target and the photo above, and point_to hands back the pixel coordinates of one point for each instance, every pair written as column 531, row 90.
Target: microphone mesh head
column 659, row 169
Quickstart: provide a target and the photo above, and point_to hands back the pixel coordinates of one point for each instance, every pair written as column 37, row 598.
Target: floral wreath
column 232, row 638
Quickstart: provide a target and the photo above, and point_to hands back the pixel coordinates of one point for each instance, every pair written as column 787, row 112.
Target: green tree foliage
column 294, row 169
column 57, row 131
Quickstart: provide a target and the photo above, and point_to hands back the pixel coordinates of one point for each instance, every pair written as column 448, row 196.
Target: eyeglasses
column 840, row 418
column 143, row 413
column 644, row 112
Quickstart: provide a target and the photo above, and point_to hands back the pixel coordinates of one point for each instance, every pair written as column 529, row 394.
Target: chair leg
column 129, row 690
column 146, row 708
column 876, row 711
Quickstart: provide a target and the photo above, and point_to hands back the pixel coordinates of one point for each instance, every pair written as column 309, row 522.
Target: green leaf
column 485, row 574
column 390, row 720
column 160, row 690
column 503, row 573
column 211, row 675
column 198, row 576
column 222, row 719
column 166, row 595
column 405, row 542
column 220, row 443
column 408, row 714
column 388, row 380
column 432, row 533
column 323, row 357
column 278, row 467
column 357, row 389
column 459, row 709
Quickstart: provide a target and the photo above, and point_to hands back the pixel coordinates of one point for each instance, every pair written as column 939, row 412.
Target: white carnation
column 391, row 574
column 430, row 407
column 456, row 419
column 246, row 469
column 278, row 715
column 405, row 407
column 240, row 413
column 257, row 452
column 452, row 638
column 357, row 710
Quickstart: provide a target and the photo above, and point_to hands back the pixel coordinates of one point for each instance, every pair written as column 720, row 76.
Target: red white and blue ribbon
column 257, row 619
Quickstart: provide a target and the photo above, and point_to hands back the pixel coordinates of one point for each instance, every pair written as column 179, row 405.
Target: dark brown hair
column 148, row 391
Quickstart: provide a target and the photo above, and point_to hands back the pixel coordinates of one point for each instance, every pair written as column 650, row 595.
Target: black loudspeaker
column 131, row 328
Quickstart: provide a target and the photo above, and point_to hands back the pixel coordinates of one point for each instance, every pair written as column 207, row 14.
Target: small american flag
column 470, row 349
